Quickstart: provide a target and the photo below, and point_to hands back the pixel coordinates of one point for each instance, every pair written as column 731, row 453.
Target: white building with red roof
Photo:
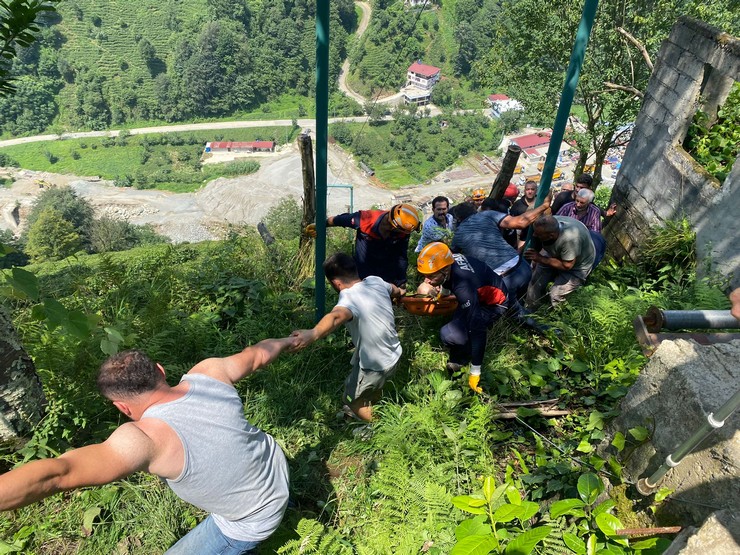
column 422, row 76
column 501, row 103
column 420, row 80
column 535, row 145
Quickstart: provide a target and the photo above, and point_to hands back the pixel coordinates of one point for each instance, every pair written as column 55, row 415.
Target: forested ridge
column 112, row 63
column 105, row 63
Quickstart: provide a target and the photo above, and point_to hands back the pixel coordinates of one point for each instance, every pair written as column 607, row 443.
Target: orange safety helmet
column 404, row 218
column 433, row 258
column 479, row 194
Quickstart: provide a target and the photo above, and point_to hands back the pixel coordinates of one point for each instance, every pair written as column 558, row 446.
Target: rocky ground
column 239, row 200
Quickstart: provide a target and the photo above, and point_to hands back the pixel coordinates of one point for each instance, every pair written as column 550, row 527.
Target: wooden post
column 507, row 172
column 309, row 185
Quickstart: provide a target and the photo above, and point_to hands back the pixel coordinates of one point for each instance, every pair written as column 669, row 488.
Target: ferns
column 554, row 544
column 414, row 501
column 314, row 537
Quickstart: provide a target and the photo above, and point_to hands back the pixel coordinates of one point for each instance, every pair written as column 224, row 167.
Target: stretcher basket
column 423, row 305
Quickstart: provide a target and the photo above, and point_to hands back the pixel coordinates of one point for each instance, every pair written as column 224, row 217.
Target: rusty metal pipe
column 657, row 319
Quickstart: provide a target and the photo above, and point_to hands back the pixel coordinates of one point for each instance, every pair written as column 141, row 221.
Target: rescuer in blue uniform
column 482, row 299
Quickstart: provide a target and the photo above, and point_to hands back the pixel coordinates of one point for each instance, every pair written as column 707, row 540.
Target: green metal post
column 566, row 97
column 322, row 140
column 351, row 193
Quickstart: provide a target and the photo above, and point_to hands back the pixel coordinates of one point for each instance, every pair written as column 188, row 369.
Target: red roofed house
column 535, row 145
column 501, row 103
column 236, row 146
column 420, row 80
column 422, row 76
column 532, row 140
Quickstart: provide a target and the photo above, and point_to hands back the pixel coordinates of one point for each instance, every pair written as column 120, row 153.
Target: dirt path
column 206, row 213
column 361, row 28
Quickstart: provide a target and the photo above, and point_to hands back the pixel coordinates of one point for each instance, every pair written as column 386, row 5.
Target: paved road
column 304, row 123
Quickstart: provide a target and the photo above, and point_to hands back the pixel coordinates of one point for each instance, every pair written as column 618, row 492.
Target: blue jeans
column 518, row 278
column 599, row 247
column 207, row 539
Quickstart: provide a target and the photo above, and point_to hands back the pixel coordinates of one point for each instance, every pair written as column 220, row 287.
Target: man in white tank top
column 194, row 435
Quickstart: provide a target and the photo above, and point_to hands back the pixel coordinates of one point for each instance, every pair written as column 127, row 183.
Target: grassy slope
column 433, row 439
column 116, row 160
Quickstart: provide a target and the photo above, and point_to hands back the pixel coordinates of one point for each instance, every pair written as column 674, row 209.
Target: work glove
column 310, row 230
column 474, row 378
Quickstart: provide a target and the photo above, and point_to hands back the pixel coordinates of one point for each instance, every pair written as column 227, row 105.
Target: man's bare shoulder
column 140, row 435
column 163, row 446
column 213, row 368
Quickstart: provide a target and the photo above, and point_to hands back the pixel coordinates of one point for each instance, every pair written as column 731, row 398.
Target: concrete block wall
column 658, row 180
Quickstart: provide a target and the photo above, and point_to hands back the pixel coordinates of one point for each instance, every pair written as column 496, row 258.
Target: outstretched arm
column 235, row 367
column 523, row 220
column 303, row 338
column 397, row 292
column 126, row 451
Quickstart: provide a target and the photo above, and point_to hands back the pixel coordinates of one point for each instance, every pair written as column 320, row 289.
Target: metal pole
column 646, row 486
column 322, row 141
column 656, row 319
column 351, row 193
column 566, row 97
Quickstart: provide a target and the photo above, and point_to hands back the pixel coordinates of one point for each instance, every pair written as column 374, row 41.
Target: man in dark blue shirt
column 482, row 299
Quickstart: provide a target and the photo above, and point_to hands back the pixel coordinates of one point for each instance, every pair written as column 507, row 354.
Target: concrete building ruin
column 696, row 68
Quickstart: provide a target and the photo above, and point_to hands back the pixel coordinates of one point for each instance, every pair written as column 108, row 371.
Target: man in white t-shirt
column 365, row 307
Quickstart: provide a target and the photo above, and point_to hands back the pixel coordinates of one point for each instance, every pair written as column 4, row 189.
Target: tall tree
column 73, row 208
column 21, row 397
column 535, row 38
column 51, row 237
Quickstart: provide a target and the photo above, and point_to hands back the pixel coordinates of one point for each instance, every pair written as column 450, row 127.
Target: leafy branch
column 18, row 23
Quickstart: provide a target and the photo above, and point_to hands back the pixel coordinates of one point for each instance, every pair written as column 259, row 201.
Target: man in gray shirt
column 568, row 258
column 194, row 435
column 365, row 308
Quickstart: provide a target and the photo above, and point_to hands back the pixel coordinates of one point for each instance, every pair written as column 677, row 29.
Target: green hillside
column 109, row 37
column 107, row 63
column 434, row 439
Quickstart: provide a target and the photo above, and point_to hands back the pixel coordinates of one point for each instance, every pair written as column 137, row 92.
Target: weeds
column 433, row 439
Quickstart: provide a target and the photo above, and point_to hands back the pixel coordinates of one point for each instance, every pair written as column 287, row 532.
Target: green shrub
column 284, row 219
column 716, row 145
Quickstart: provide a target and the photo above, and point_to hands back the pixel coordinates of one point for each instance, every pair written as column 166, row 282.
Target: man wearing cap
column 382, row 240
column 478, row 196
column 511, row 193
column 482, row 299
